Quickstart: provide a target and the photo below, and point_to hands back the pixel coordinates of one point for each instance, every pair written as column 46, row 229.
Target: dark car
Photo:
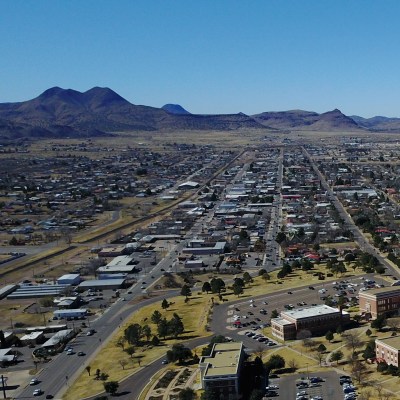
column 289, row 292
column 311, row 287
column 81, row 353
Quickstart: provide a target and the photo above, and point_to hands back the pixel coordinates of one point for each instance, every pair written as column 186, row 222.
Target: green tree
column 179, row 353
column 275, row 361
column 185, row 291
column 369, row 351
column 321, row 348
column 368, row 332
column 237, row 289
column 130, row 351
column 162, row 328
column 175, row 326
column 156, row 317
column 379, row 322
column 217, row 285
column 247, row 278
column 206, row 287
column 187, row 394
column 146, row 332
column 274, row 314
column 164, row 304
column 133, row 334
column 329, row 336
column 336, row 356
column 111, row 387
column 215, row 339
column 155, row 341
column 210, row 394
column 280, row 237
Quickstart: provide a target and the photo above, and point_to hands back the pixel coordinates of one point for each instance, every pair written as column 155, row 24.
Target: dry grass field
column 107, row 359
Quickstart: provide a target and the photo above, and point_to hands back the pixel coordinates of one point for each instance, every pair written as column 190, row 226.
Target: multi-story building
column 388, row 350
column 316, row 319
column 376, row 302
column 221, row 369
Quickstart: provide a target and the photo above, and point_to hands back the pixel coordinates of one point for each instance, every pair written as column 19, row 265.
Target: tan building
column 380, row 301
column 316, row 319
column 388, row 350
column 221, row 370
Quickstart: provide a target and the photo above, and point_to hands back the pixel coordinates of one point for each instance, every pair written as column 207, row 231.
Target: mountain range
column 99, row 111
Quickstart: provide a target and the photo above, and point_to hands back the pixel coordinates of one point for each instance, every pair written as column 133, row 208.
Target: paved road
column 349, row 223
column 65, row 368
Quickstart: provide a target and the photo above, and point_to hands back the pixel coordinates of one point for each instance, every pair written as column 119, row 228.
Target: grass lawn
column 194, row 317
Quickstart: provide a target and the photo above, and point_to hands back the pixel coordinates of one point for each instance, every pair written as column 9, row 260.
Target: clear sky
column 210, row 56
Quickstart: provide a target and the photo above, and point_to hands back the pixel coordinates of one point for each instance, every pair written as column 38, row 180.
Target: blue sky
column 210, row 56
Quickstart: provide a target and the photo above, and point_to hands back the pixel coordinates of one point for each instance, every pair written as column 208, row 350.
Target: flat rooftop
column 307, row 312
column 224, row 360
column 380, row 292
column 392, row 341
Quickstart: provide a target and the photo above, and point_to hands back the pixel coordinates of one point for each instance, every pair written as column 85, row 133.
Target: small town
column 288, row 254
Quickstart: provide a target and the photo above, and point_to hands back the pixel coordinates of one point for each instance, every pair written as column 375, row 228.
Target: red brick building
column 376, row 302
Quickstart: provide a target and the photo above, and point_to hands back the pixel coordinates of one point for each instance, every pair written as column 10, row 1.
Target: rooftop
column 224, row 359
column 312, row 311
column 392, row 341
column 382, row 291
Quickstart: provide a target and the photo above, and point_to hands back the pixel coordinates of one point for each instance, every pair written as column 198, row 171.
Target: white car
column 37, row 392
column 34, row 381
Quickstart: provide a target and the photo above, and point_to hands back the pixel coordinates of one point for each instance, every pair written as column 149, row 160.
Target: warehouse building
column 103, row 284
column 69, row 279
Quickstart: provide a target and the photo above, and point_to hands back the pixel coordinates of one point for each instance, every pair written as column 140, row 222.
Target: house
column 316, row 319
column 381, row 301
column 221, row 370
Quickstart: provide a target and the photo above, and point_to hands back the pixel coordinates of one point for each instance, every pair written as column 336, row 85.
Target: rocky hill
column 307, row 120
column 174, row 109
column 99, row 111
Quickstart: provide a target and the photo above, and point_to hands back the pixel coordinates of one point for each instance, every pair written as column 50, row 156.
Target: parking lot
column 321, row 386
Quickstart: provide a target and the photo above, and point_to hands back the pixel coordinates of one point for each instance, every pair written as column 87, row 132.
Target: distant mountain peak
column 175, row 109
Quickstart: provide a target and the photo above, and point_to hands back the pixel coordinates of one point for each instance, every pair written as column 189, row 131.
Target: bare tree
column 293, row 364
column 123, row 363
column 352, row 341
column 393, row 324
column 260, row 351
column 359, row 370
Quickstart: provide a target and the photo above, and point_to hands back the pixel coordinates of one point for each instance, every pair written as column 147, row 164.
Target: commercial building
column 376, row 302
column 33, row 338
column 221, row 369
column 316, row 319
column 103, row 284
column 57, row 340
column 72, row 313
column 69, row 279
column 387, row 350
